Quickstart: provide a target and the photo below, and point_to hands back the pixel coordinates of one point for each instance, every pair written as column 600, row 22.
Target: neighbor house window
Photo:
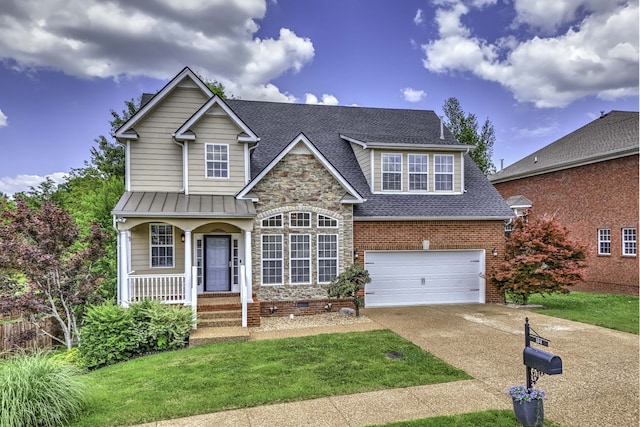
column 300, row 258
column 443, row 169
column 274, row 221
column 628, row 241
column 327, row 257
column 161, row 242
column 272, row 259
column 391, row 172
column 325, row 221
column 300, row 219
column 217, row 160
column 604, row 241
column 418, row 172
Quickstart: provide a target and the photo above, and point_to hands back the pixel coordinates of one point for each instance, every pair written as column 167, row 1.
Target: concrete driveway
column 600, row 381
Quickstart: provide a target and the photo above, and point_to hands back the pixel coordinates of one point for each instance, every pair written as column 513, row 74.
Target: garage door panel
column 419, row 278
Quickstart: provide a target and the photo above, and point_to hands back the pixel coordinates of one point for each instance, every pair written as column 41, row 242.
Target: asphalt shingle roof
column 277, row 124
column 612, row 135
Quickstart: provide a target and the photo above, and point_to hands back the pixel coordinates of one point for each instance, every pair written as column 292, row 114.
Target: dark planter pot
column 529, row 414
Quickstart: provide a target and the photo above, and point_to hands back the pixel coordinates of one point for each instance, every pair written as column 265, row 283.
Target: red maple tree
column 46, row 265
column 539, row 258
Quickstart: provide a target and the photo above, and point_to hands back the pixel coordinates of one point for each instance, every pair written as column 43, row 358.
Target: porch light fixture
column 182, row 237
column 494, row 252
column 355, row 254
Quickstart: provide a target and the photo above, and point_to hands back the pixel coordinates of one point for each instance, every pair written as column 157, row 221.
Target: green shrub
column 161, row 327
column 106, row 335
column 38, row 390
column 349, row 283
column 112, row 334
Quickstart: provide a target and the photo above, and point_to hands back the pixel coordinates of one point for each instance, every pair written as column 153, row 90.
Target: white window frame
column 387, row 171
column 439, row 172
column 604, row 241
column 171, row 236
column 214, row 160
column 629, row 241
column 411, row 160
column 320, row 251
column 294, row 278
column 273, row 221
column 324, row 219
column 264, row 258
column 300, row 216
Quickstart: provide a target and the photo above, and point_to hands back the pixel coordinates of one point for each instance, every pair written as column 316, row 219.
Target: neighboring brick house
column 588, row 180
column 273, row 200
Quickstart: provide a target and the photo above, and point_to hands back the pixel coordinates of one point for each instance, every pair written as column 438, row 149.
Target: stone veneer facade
column 300, row 183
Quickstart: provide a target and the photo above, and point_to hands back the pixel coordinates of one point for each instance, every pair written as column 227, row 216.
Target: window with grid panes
column 300, row 258
column 327, row 257
column 161, row 242
column 272, row 251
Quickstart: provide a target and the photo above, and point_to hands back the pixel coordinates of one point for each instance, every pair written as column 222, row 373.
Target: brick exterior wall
column 408, row 235
column 585, row 199
column 304, row 307
column 299, row 182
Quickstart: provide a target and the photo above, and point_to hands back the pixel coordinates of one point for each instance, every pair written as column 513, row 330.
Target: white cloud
column 11, row 185
column 326, row 99
column 413, row 95
column 538, row 132
column 419, row 17
column 3, row 119
column 596, row 56
column 114, row 39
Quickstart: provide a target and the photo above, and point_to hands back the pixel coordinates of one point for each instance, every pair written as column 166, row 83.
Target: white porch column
column 248, row 264
column 187, row 265
column 123, row 270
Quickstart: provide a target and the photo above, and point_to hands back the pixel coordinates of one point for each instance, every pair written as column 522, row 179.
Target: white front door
column 217, row 263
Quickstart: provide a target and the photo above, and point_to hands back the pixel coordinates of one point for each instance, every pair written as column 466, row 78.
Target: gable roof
column 519, row 201
column 302, row 139
column 325, row 127
column 126, row 131
column 608, row 137
column 184, row 132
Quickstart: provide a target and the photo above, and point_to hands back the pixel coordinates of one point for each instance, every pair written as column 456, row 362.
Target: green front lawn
column 493, row 418
column 611, row 311
column 243, row 374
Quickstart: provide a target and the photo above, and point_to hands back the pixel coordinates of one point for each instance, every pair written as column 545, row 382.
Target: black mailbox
column 542, row 361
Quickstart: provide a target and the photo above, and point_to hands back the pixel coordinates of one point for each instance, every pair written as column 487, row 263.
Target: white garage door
column 424, row 277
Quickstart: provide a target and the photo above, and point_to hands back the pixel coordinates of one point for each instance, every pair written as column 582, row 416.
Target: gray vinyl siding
column 364, row 160
column 217, row 128
column 457, row 169
column 155, row 159
column 141, row 257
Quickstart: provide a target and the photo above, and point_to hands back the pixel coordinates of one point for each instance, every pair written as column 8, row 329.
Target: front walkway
column 599, row 385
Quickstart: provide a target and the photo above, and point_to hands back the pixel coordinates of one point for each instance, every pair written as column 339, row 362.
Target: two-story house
column 274, row 200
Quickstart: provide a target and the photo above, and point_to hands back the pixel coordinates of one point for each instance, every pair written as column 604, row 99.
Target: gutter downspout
column 185, row 165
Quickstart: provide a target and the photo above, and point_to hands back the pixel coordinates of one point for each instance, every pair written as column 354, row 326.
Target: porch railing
column 169, row 288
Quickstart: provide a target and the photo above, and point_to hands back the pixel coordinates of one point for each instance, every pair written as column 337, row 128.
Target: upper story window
column 629, row 241
column 217, row 160
column 604, row 241
column 274, row 221
column 325, row 221
column 443, row 169
column 391, row 172
column 161, row 243
column 418, row 171
column 300, row 219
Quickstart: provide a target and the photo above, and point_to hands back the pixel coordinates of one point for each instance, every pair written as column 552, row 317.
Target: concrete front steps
column 219, row 319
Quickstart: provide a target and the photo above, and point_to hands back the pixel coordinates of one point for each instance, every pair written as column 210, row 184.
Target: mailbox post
column 538, row 362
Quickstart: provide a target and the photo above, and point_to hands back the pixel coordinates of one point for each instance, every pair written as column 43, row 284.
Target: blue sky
column 537, row 69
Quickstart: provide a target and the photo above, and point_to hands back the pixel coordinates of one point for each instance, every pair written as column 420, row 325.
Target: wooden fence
column 20, row 334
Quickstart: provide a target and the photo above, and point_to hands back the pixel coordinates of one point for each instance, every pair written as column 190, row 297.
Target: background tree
column 465, row 128
column 46, row 266
column 539, row 258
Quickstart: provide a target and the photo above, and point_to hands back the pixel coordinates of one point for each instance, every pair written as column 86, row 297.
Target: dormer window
column 443, row 169
column 217, row 160
column 418, row 170
column 391, row 172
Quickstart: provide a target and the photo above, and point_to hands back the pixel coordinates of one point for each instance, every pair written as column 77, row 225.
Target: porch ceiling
column 163, row 204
